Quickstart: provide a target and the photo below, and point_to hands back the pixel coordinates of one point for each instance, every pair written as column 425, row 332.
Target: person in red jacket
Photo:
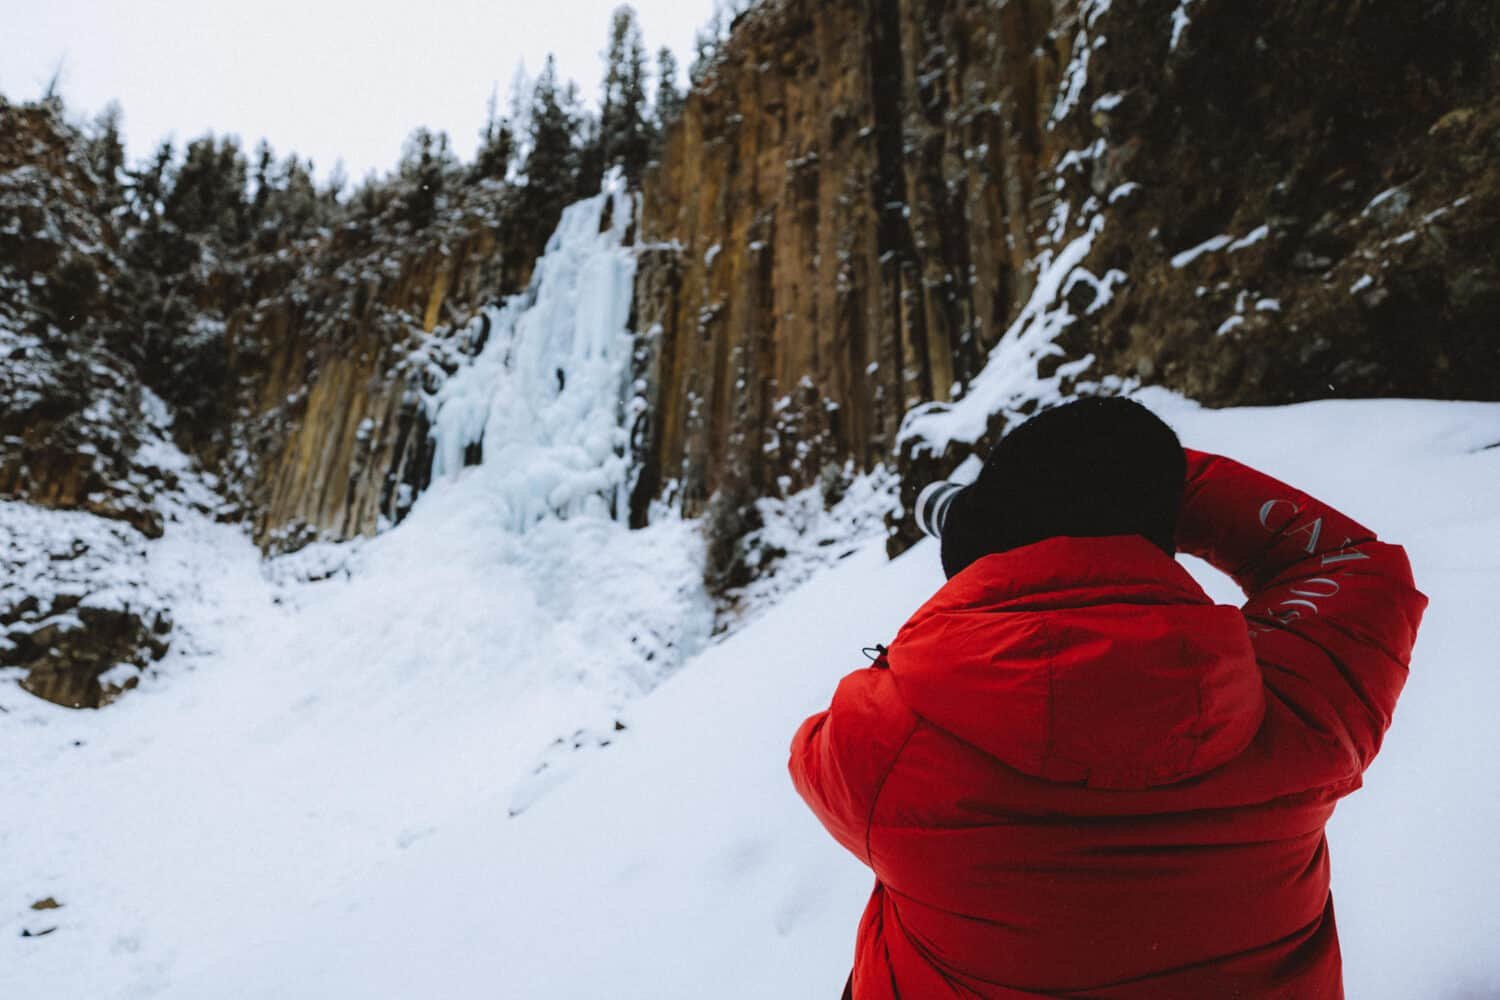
column 1072, row 773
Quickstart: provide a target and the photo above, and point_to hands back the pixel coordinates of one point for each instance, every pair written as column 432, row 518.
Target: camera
column 933, row 504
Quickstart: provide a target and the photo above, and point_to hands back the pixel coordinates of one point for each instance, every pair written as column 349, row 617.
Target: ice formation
column 542, row 404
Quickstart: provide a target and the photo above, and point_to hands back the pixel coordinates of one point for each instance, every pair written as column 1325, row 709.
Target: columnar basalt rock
column 335, row 434
column 839, row 231
column 1295, row 202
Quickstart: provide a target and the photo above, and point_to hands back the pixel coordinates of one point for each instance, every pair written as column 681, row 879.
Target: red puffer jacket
column 1074, row 775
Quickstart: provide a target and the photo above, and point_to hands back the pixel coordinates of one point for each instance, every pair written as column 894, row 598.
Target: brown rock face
column 840, row 231
column 843, row 217
column 1348, row 153
column 76, row 614
column 333, row 435
column 66, row 663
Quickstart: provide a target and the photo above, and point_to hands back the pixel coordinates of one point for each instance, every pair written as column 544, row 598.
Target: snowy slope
column 322, row 806
column 487, row 646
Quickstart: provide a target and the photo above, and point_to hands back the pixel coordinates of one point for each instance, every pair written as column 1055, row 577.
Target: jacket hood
column 1084, row 660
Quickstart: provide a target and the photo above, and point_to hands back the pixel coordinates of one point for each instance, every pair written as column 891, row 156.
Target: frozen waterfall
column 543, row 401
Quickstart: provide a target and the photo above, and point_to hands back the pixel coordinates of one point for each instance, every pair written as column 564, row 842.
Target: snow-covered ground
column 319, row 799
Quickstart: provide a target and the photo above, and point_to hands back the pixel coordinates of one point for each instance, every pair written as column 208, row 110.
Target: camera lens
column 933, row 504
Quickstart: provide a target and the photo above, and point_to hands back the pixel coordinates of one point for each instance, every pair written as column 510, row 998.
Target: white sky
column 329, row 79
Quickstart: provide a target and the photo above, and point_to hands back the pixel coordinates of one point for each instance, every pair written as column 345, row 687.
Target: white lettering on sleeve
column 1270, row 505
column 1316, row 586
column 1343, row 554
column 1314, row 528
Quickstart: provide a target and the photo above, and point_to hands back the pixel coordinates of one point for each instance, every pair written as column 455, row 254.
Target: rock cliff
column 1293, row 200
column 327, row 371
column 838, row 230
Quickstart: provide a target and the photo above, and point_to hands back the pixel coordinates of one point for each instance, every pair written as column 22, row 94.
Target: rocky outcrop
column 78, row 618
column 1314, row 199
column 70, row 409
column 1293, row 201
column 79, row 479
column 332, row 437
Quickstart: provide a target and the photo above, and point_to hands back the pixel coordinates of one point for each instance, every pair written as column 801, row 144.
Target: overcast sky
column 329, row 79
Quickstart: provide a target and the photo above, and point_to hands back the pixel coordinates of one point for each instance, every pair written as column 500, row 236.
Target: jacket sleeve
column 1332, row 611
column 841, row 756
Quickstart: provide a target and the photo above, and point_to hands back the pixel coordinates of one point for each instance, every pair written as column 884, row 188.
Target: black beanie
column 1092, row 467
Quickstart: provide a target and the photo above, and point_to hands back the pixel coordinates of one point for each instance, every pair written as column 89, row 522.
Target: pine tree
column 106, row 155
column 207, row 195
column 497, row 145
column 370, row 199
column 590, row 155
column 265, row 160
column 231, row 210
column 52, row 94
column 425, row 165
column 148, row 185
column 669, row 100
column 293, row 206
column 338, row 180
column 624, row 131
column 552, row 163
column 586, row 132
column 706, row 46
column 519, row 114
